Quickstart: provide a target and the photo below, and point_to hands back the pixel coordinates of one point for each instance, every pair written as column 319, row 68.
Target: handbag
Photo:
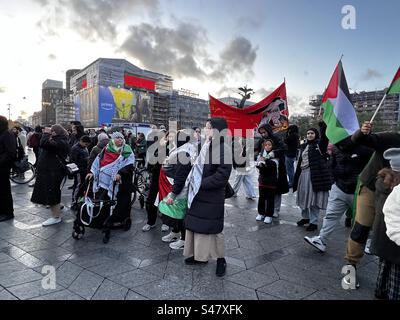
column 229, row 192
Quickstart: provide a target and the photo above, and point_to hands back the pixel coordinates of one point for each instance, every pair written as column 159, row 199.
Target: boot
column 221, row 267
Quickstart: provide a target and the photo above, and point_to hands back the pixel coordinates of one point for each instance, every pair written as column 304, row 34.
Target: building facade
column 114, row 90
column 365, row 103
column 65, row 111
column 188, row 110
column 52, row 94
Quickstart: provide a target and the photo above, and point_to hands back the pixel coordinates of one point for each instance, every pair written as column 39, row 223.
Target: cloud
column 2, row 89
column 227, row 91
column 173, row 51
column 250, row 22
column 52, row 56
column 237, row 57
column 371, row 74
column 92, row 19
column 298, row 105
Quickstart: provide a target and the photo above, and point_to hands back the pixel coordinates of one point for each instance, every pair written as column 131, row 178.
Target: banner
column 272, row 110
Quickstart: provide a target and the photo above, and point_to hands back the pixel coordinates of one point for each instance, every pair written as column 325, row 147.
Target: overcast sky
column 207, row 46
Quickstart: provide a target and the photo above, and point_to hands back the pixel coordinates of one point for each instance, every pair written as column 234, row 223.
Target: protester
column 268, row 166
column 347, row 161
column 103, row 140
column 112, row 171
column 292, row 147
column 207, row 180
column 7, row 157
column 80, row 156
column 172, row 190
column 51, row 171
column 365, row 210
column 244, row 171
column 34, row 142
column 141, row 148
column 388, row 251
column 312, row 179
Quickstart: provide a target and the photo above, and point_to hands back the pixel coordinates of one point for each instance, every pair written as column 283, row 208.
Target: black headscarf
column 316, row 131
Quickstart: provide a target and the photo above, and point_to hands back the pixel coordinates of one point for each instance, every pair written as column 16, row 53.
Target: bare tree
column 246, row 94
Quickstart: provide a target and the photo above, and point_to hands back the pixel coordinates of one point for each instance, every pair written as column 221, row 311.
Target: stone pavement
column 265, row 262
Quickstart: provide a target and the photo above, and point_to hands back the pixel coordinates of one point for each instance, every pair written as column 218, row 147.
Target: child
column 268, row 166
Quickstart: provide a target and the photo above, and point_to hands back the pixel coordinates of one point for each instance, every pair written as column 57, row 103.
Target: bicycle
column 23, row 173
column 141, row 184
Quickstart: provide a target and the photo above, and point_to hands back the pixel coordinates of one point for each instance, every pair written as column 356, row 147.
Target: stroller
column 97, row 211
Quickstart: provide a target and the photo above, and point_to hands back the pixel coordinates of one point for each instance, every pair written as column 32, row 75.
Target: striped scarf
column 193, row 180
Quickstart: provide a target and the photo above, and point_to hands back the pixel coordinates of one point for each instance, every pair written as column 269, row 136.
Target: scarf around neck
column 125, row 150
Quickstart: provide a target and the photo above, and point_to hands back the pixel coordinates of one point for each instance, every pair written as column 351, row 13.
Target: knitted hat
column 393, row 155
column 102, row 136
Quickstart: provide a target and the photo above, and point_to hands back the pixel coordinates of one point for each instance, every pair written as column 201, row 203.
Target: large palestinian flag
column 339, row 113
column 241, row 122
column 395, row 85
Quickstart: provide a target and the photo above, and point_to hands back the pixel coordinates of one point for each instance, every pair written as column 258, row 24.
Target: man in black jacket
column 80, row 156
column 8, row 150
column 292, row 142
column 348, row 160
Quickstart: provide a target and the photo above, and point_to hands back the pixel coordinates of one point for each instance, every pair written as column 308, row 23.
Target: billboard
column 98, row 105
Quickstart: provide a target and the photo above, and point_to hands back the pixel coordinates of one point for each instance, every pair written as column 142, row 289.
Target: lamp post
column 9, row 111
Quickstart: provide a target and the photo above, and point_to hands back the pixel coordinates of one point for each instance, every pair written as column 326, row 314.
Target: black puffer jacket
column 206, row 214
column 80, row 156
column 381, row 245
column 318, row 161
column 347, row 161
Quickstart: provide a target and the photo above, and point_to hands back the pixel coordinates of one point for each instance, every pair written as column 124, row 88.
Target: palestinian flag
column 339, row 113
column 395, row 85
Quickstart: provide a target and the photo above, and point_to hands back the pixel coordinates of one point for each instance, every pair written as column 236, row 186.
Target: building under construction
column 365, row 103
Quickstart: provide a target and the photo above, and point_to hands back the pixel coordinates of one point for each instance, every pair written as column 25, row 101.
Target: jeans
column 311, row 214
column 338, row 203
column 289, row 163
column 247, row 182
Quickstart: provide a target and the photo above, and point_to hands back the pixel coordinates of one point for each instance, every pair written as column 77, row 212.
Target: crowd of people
column 189, row 174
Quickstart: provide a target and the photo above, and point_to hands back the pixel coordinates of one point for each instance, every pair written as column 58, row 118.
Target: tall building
column 36, row 118
column 65, row 111
column 365, row 103
column 114, row 90
column 52, row 94
column 188, row 109
column 68, row 76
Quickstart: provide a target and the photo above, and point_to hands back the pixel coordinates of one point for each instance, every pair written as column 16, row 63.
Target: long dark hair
column 3, row 124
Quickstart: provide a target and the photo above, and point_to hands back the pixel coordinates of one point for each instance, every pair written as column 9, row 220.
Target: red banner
column 272, row 110
column 132, row 81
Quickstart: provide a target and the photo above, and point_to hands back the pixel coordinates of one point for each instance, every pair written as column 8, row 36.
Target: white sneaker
column 172, row 236
column 316, row 243
column 177, row 244
column 276, row 214
column 268, row 220
column 260, row 217
column 164, row 228
column 51, row 221
column 147, row 227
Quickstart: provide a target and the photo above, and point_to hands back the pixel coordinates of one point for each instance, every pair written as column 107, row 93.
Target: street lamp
column 9, row 111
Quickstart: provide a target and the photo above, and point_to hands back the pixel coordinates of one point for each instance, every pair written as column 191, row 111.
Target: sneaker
column 177, row 244
column 51, row 221
column 312, row 227
column 171, row 237
column 302, row 222
column 221, row 267
column 260, row 217
column 276, row 215
column 147, row 227
column 268, row 220
column 164, row 228
column 316, row 243
column 367, row 247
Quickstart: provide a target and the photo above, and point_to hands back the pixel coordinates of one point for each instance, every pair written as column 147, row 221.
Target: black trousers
column 266, row 201
column 6, row 199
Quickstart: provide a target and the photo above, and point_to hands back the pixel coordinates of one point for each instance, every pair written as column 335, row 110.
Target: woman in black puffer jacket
column 312, row 180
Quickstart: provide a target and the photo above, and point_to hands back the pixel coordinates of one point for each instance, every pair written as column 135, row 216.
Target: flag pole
column 377, row 109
